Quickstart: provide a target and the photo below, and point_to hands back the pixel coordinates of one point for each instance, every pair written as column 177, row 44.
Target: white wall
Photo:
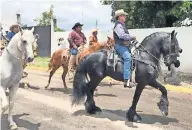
column 184, row 37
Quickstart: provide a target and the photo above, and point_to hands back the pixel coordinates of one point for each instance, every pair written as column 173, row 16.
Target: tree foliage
column 149, row 14
column 46, row 17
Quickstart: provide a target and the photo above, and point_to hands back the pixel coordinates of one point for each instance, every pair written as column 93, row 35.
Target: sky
column 67, row 12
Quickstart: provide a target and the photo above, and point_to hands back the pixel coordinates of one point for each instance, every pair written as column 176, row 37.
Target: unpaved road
column 39, row 109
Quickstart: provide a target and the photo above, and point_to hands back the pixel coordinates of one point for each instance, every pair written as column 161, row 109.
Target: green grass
column 40, row 62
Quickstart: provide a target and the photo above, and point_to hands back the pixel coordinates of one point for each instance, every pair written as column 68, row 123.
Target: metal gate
column 44, row 41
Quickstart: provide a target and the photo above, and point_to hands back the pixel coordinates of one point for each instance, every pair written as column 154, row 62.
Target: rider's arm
column 70, row 39
column 9, row 35
column 84, row 38
column 121, row 33
column 91, row 40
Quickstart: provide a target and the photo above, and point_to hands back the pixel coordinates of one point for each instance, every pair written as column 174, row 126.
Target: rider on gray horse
column 122, row 40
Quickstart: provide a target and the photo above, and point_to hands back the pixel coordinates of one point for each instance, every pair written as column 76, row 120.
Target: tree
column 149, row 14
column 45, row 19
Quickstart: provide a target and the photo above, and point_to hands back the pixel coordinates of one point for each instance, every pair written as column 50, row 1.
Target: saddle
column 113, row 57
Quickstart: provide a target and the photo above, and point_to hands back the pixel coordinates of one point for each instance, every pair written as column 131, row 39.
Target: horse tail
column 79, row 84
column 50, row 62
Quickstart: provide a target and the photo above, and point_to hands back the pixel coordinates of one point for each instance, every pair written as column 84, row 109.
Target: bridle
column 141, row 48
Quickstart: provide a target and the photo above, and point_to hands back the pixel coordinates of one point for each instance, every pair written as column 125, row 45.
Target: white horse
column 11, row 69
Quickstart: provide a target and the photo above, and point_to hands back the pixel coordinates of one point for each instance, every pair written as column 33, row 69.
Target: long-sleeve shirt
column 119, row 30
column 10, row 35
column 76, row 38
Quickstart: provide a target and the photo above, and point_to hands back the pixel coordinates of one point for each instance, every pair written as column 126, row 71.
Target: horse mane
column 161, row 35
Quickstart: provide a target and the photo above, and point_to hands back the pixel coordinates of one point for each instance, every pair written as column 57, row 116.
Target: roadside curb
column 181, row 89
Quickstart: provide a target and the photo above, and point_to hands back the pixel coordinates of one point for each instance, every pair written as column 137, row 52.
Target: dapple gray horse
column 11, row 69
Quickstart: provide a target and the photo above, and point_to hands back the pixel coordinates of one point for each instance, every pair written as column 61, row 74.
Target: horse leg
column 164, row 103
column 12, row 93
column 90, row 106
column 3, row 100
column 52, row 72
column 65, row 71
column 131, row 114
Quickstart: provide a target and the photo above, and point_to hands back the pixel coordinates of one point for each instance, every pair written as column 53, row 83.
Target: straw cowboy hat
column 77, row 25
column 94, row 30
column 120, row 12
column 15, row 25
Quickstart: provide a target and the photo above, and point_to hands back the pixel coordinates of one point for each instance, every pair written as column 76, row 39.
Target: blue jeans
column 125, row 54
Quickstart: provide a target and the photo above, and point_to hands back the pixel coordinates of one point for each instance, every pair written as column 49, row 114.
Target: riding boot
column 71, row 67
column 128, row 84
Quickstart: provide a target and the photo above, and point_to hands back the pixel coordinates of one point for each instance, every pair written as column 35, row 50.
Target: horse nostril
column 30, row 59
column 180, row 51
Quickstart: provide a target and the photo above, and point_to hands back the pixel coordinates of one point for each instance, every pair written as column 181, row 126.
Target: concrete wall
column 184, row 37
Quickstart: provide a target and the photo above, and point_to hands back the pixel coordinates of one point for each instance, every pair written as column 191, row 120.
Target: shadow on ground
column 68, row 91
column 115, row 115
column 21, row 85
column 20, row 122
column 106, row 95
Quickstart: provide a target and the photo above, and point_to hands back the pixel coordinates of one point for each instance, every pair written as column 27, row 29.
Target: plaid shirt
column 76, row 38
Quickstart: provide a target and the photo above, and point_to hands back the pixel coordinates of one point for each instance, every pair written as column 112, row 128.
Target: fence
column 44, row 41
column 184, row 37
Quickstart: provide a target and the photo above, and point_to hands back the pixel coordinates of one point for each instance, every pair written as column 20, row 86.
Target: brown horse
column 61, row 58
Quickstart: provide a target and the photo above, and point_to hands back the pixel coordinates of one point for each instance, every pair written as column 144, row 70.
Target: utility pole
column 113, row 9
column 96, row 24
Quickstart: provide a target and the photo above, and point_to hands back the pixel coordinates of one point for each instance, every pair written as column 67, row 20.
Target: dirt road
column 40, row 109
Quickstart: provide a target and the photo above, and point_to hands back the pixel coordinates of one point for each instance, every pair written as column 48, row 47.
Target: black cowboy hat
column 77, row 25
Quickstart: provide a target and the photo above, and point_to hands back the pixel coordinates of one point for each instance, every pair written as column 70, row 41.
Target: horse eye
column 24, row 41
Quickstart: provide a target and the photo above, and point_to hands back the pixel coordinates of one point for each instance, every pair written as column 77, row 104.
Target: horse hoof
column 97, row 109
column 46, row 87
column 13, row 127
column 26, row 86
column 163, row 106
column 133, row 116
column 92, row 109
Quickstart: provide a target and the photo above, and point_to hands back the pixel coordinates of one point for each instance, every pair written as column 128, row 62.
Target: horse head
column 171, row 49
column 110, row 43
column 26, row 45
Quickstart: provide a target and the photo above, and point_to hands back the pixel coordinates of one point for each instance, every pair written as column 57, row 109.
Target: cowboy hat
column 94, row 30
column 120, row 12
column 15, row 25
column 77, row 25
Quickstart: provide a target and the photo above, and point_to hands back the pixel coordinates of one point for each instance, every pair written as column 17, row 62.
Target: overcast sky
column 67, row 12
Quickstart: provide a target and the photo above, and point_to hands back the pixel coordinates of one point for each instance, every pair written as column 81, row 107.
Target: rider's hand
column 74, row 46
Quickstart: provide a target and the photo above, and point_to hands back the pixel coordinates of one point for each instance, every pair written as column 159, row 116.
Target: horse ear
column 32, row 30
column 172, row 34
column 176, row 34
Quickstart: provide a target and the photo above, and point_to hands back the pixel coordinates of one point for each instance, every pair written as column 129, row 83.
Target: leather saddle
column 113, row 57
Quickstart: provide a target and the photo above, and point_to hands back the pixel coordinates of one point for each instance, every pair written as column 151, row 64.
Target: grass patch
column 40, row 62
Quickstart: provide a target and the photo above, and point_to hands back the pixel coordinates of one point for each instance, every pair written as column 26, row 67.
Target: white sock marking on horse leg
column 12, row 93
